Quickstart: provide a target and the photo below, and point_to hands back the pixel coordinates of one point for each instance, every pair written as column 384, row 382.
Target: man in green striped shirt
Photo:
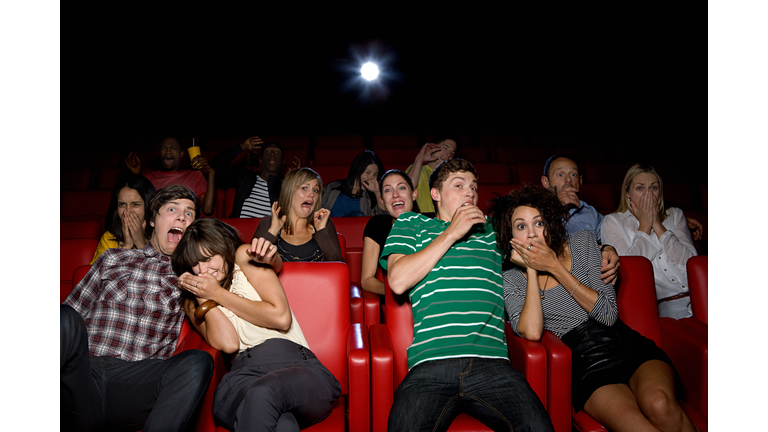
column 458, row 359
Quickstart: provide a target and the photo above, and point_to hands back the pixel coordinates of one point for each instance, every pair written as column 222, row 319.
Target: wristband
column 204, row 308
column 602, row 248
column 577, row 287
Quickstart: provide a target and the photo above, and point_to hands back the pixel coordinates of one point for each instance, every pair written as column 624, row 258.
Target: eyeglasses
column 269, row 152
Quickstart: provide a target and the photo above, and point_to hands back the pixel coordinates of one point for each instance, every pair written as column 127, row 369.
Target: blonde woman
column 642, row 226
column 298, row 226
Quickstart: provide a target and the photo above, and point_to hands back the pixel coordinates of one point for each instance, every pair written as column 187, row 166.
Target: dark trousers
column 102, row 393
column 275, row 386
column 433, row 393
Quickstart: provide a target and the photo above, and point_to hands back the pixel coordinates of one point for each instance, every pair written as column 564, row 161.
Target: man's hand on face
column 567, row 194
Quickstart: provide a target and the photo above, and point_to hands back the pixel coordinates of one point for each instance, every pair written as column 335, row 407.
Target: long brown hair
column 293, row 180
column 634, row 171
column 203, row 239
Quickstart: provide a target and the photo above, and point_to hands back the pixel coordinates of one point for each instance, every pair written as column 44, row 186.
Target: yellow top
column 108, row 241
column 424, row 200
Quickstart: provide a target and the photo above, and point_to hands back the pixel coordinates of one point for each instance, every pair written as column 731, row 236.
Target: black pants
column 99, row 393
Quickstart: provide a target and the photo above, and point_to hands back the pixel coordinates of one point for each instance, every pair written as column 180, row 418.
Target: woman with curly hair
column 620, row 378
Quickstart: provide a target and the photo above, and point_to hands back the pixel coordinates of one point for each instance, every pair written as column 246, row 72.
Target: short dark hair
column 446, row 168
column 554, row 158
column 437, row 139
column 169, row 193
column 543, row 200
column 205, row 238
column 401, row 173
column 140, row 184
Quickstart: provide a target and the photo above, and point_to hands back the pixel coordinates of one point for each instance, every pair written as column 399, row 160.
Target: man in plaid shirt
column 119, row 329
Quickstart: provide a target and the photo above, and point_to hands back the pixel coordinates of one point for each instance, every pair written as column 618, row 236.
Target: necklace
column 545, row 285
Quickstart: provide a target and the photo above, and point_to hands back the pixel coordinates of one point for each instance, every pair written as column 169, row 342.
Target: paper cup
column 193, row 151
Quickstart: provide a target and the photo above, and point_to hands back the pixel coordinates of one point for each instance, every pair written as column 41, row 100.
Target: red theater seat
column 329, row 173
column 82, row 205
column 686, row 347
column 601, row 196
column 73, row 254
column 529, row 173
column 389, row 362
column 76, row 179
column 366, row 305
column 353, row 141
column 397, row 155
column 486, row 192
column 698, row 268
column 491, row 172
column 387, row 141
column 336, row 155
column 82, row 229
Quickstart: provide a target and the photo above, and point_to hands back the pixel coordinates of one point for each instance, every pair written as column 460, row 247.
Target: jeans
column 433, row 393
column 98, row 393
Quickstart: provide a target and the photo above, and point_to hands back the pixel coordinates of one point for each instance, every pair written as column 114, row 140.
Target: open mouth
column 397, row 205
column 174, row 235
column 307, row 204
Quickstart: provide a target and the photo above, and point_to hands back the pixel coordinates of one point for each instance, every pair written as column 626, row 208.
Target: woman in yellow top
column 126, row 220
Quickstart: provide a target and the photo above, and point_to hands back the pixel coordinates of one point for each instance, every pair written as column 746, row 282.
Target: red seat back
column 697, row 285
column 244, row 226
column 636, row 297
column 73, row 254
column 399, row 319
column 319, row 297
column 85, row 203
column 87, row 229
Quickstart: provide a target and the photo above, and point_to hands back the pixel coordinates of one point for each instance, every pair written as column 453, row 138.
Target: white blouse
column 249, row 334
column 668, row 254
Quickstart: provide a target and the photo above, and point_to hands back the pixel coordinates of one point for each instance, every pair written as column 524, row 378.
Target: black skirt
column 605, row 355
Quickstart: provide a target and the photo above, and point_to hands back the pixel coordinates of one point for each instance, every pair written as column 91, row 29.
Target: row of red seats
column 344, row 343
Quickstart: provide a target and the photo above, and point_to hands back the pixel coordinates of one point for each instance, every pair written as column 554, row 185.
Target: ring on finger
column 529, row 247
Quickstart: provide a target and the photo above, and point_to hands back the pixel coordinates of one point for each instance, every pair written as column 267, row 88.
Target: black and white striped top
column 561, row 312
column 257, row 204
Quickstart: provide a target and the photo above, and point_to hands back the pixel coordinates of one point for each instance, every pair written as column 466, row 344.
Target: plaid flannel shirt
column 130, row 303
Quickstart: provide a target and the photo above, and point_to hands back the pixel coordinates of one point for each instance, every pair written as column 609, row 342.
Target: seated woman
column 641, row 226
column 398, row 195
column 358, row 194
column 301, row 230
column 126, row 219
column 275, row 382
column 620, row 378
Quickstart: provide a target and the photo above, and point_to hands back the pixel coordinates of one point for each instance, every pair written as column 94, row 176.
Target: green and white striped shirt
column 458, row 309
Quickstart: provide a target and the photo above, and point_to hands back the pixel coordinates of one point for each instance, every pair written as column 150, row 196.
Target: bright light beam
column 369, row 71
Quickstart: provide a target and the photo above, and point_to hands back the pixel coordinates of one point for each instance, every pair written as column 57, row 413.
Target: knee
column 70, row 322
column 195, row 363
column 661, row 409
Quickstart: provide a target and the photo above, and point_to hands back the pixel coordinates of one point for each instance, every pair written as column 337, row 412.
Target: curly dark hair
column 543, row 200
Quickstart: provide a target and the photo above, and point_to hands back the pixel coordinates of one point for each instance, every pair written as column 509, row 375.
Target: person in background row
column 440, row 149
column 170, row 173
column 397, row 194
column 276, row 382
column 642, row 226
column 118, row 332
column 358, row 194
column 298, row 226
column 256, row 191
column 127, row 216
column 620, row 378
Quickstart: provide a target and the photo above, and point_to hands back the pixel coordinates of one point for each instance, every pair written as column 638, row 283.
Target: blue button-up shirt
column 585, row 218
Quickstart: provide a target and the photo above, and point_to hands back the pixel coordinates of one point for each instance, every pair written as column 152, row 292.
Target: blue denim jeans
column 433, row 393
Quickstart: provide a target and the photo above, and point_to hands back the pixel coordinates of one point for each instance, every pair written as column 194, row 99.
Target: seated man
column 119, row 328
column 256, row 191
column 458, row 361
column 561, row 175
column 430, row 155
column 170, row 173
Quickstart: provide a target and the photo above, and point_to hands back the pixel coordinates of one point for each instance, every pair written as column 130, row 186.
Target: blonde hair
column 634, row 171
column 293, row 180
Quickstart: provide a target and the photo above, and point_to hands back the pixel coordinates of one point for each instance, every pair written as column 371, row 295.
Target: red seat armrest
column 559, row 363
column 689, row 352
column 358, row 356
column 382, row 375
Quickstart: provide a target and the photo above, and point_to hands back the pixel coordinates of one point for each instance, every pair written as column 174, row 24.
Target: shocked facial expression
column 396, row 195
column 171, row 221
column 272, row 159
column 460, row 188
column 528, row 226
column 170, row 155
column 641, row 184
column 129, row 198
column 304, row 199
column 563, row 172
column 215, row 266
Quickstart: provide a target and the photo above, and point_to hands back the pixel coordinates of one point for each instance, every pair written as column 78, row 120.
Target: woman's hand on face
column 371, row 186
column 277, row 222
column 539, row 257
column 646, row 211
column 204, row 286
column 516, row 258
column 135, row 228
column 321, row 218
column 261, row 250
